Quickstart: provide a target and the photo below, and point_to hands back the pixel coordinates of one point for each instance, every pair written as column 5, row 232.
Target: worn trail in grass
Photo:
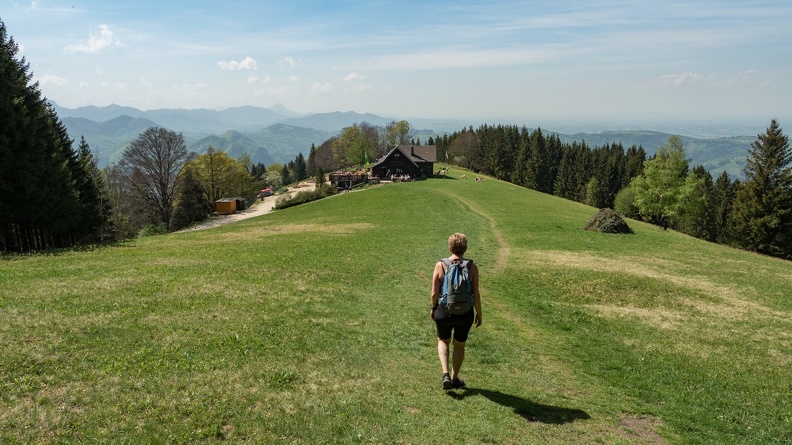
column 502, row 247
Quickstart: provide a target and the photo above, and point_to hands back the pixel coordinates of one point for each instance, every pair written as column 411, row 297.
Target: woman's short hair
column 457, row 243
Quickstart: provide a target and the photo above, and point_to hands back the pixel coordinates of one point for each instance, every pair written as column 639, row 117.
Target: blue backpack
column 456, row 293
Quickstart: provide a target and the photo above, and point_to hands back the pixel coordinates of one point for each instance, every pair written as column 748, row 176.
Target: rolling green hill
column 107, row 139
column 286, row 141
column 235, row 144
column 277, row 143
column 311, row 325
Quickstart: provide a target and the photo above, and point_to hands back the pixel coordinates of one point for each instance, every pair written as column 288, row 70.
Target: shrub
column 608, row 221
column 304, row 197
column 625, row 203
column 153, row 230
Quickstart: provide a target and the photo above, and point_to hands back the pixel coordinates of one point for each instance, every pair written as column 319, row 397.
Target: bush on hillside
column 624, row 203
column 608, row 221
column 304, row 197
column 152, row 230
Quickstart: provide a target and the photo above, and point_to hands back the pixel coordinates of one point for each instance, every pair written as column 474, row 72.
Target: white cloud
column 292, row 79
column 359, row 88
column 318, row 88
column 454, row 59
column 37, row 6
column 116, row 86
column 256, row 79
column 353, row 76
column 678, row 80
column 96, row 42
column 191, row 90
column 248, row 63
column 51, row 79
column 747, row 72
column 288, row 61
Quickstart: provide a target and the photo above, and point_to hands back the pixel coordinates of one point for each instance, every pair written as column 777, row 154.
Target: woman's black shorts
column 459, row 324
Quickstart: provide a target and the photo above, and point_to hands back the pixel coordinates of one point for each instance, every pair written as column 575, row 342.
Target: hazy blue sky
column 483, row 60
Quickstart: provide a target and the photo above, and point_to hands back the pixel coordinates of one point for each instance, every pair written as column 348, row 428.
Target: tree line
column 539, row 161
column 754, row 214
column 50, row 194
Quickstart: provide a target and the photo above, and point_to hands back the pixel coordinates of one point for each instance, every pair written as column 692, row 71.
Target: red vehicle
column 265, row 192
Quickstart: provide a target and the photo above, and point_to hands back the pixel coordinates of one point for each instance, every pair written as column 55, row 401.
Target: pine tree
column 286, row 174
column 636, row 156
column 15, row 139
column 310, row 164
column 532, row 157
column 92, row 194
column 762, row 214
column 300, row 168
column 521, row 159
column 257, row 170
column 723, row 200
column 565, row 185
column 551, row 159
column 39, row 200
column 191, row 205
column 320, row 178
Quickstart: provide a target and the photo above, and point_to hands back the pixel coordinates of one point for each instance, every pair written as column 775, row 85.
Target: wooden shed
column 226, row 206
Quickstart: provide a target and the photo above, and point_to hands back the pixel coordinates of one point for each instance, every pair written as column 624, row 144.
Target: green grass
column 310, row 325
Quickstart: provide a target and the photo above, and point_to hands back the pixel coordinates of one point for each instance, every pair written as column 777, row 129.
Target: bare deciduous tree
column 152, row 163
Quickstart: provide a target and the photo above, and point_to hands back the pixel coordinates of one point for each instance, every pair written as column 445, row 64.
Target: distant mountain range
column 277, row 135
column 268, row 135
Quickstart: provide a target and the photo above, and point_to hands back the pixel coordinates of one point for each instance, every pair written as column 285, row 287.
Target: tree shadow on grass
column 527, row 409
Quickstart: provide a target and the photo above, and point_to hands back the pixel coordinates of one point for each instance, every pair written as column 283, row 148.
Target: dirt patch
column 264, row 231
column 641, row 428
column 659, row 318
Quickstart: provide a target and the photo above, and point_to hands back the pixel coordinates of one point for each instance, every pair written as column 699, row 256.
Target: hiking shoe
column 458, row 383
column 447, row 384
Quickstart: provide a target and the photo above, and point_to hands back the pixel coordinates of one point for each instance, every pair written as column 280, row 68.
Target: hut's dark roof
column 414, row 153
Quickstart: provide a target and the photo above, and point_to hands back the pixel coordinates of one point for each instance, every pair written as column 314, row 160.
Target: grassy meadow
column 311, row 325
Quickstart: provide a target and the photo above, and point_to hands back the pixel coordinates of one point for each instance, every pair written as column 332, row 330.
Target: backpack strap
column 446, row 264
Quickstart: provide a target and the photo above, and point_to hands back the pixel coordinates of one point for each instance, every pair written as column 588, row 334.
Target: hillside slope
column 311, row 325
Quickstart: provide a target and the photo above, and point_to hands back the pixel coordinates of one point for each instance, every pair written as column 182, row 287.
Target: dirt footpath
column 256, row 209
